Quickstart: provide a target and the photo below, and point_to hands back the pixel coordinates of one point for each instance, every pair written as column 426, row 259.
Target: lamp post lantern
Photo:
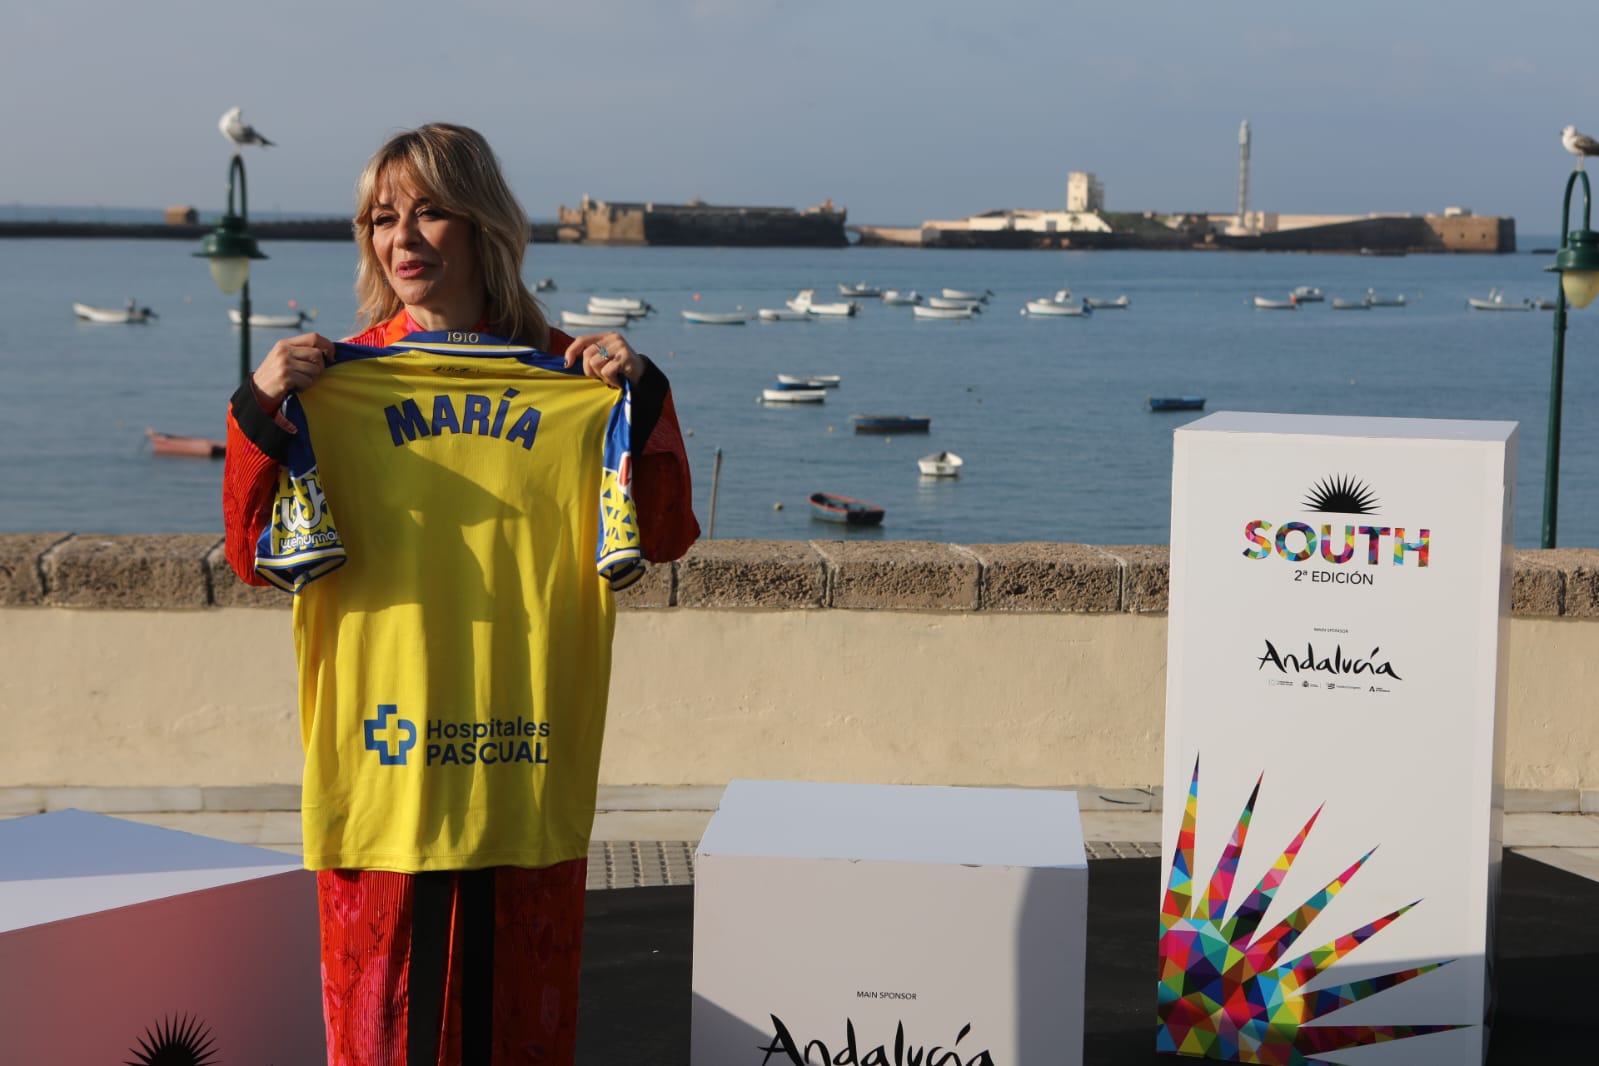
column 1578, row 266
column 230, row 247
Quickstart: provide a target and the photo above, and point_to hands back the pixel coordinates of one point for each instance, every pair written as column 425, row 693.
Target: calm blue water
column 1049, row 415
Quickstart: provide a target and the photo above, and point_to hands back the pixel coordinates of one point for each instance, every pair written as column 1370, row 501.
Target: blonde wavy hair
column 457, row 170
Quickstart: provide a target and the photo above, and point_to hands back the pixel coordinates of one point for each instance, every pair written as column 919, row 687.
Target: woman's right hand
column 293, row 365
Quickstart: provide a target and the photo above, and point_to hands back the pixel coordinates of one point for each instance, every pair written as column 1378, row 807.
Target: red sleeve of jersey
column 663, row 493
column 249, row 481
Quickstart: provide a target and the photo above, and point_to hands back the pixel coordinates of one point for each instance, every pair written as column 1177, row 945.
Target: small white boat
column 1495, row 301
column 1308, row 294
column 793, row 395
column 294, row 321
column 625, row 305
column 1054, row 309
column 717, row 318
column 544, row 285
column 1263, row 303
column 950, row 301
column 940, row 464
column 806, row 301
column 923, row 311
column 1350, row 305
column 782, row 314
column 905, row 297
column 127, row 314
column 590, row 320
column 1373, row 300
column 967, row 294
column 861, row 289
column 812, row 381
column 1120, row 303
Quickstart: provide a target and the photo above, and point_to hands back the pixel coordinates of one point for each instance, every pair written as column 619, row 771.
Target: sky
column 898, row 110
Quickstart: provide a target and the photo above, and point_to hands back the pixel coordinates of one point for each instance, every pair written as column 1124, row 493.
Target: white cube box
column 889, row 923
column 1335, row 709
column 124, row 942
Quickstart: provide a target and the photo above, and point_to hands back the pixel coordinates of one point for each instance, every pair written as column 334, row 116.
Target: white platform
column 1338, row 636
column 113, row 932
column 948, row 918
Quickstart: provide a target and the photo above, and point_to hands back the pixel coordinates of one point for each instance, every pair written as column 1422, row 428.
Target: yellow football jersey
column 453, row 516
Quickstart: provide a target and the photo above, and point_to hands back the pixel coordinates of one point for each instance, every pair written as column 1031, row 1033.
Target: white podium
column 123, row 942
column 1336, row 680
column 889, row 923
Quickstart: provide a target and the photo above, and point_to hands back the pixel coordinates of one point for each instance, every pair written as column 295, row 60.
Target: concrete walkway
column 646, row 836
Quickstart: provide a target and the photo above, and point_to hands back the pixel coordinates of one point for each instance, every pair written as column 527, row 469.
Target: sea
column 1050, row 416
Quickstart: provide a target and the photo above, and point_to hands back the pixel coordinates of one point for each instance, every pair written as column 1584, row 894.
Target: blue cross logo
column 390, row 739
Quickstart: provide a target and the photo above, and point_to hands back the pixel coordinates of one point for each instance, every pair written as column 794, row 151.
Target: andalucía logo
column 1296, row 541
column 849, row 1052
column 391, row 736
column 1322, row 663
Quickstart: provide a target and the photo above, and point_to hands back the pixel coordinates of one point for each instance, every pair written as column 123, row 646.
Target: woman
column 448, row 825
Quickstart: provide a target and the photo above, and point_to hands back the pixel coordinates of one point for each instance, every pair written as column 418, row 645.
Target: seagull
column 234, row 129
column 1578, row 144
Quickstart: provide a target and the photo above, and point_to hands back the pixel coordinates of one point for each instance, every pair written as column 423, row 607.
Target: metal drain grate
column 647, row 863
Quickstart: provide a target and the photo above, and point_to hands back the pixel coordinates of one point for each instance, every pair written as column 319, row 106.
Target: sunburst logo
column 1226, row 993
column 183, row 1041
column 1341, row 495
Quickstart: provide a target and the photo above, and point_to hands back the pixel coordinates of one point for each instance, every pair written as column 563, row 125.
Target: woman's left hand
column 606, row 356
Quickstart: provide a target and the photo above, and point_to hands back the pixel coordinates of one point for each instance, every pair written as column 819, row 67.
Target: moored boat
column 258, row 321
column 891, row 423
column 921, row 311
column 806, row 301
column 1495, row 301
column 176, row 444
column 810, row 381
column 129, row 314
column 1308, row 294
column 1120, row 303
column 631, row 306
column 901, row 297
column 861, row 289
column 544, row 285
column 1373, row 300
column 1264, row 303
column 940, row 464
column 793, row 395
column 1176, row 403
column 967, row 294
column 830, row 507
column 589, row 320
column 1056, row 309
column 1351, row 305
column 717, row 318
column 953, row 303
column 782, row 314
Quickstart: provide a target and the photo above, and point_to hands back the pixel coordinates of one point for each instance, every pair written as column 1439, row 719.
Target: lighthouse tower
column 1243, row 174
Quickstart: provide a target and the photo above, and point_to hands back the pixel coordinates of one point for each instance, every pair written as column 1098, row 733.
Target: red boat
column 196, row 447
column 831, row 508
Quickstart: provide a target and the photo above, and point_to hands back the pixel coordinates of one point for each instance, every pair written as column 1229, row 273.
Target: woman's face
column 426, row 253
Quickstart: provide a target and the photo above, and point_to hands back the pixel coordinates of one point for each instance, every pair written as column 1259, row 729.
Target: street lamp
column 230, row 249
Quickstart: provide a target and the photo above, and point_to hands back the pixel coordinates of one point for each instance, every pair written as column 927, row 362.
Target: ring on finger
column 600, row 352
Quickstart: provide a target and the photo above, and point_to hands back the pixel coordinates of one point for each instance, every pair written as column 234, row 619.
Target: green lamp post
column 1578, row 266
column 230, row 248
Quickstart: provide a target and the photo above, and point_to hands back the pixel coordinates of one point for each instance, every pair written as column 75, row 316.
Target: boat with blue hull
column 1176, row 403
column 891, row 423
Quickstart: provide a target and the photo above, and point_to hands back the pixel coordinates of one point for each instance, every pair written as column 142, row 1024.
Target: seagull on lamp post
column 1578, row 144
column 234, row 129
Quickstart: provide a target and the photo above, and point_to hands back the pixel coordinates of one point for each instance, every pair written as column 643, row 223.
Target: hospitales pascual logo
column 786, row 1048
column 1339, row 544
column 391, row 736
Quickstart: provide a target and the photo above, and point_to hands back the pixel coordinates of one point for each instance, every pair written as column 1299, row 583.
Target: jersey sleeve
column 255, row 447
column 663, row 489
column 299, row 541
column 619, row 555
